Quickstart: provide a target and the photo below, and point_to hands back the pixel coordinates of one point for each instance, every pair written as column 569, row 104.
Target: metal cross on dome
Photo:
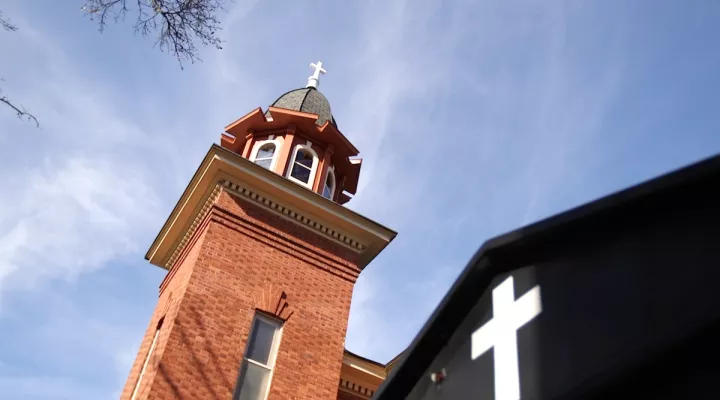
column 314, row 80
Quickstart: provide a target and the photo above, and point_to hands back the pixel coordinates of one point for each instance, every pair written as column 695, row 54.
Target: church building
column 261, row 259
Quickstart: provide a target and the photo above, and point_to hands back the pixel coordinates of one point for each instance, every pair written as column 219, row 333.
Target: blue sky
column 473, row 118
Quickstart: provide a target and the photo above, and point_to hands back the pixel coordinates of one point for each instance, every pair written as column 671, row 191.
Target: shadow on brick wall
column 214, row 380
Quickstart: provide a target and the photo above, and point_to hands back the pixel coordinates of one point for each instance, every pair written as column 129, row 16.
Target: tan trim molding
column 296, row 217
column 193, row 227
column 355, row 388
column 367, row 368
column 226, row 169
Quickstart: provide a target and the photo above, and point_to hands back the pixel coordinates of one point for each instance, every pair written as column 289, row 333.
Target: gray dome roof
column 308, row 100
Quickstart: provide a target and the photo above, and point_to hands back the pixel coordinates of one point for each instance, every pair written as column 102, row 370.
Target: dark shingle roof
column 308, row 100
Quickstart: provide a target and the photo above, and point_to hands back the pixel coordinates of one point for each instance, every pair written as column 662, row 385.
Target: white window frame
column 313, row 170
column 147, row 358
column 273, row 352
column 277, row 141
column 330, row 171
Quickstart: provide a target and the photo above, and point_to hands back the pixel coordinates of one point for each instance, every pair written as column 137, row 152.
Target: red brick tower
column 261, row 259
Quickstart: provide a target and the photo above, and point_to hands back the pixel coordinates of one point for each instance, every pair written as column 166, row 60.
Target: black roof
column 308, row 100
column 500, row 254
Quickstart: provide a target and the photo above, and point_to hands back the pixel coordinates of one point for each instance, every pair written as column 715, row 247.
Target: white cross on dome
column 314, row 80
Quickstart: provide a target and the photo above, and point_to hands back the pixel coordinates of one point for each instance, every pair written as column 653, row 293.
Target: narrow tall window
column 147, row 358
column 302, row 168
column 329, row 187
column 259, row 359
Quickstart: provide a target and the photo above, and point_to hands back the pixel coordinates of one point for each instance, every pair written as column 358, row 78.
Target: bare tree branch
column 5, row 23
column 22, row 113
column 178, row 23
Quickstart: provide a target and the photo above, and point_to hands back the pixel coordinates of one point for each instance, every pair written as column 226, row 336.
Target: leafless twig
column 22, row 113
column 178, row 23
column 5, row 23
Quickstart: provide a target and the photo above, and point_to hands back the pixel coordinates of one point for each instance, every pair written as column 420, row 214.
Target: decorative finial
column 314, row 80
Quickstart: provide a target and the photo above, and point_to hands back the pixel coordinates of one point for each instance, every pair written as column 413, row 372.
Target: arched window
column 329, row 186
column 303, row 165
column 265, row 153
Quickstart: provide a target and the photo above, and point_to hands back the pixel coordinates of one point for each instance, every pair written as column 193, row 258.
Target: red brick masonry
column 242, row 258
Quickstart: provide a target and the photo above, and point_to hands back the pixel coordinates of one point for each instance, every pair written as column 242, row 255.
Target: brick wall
column 243, row 259
column 167, row 307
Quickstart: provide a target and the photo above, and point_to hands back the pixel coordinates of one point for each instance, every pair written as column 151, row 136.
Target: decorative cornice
column 327, row 219
column 294, row 216
column 275, row 207
column 193, row 227
column 355, row 388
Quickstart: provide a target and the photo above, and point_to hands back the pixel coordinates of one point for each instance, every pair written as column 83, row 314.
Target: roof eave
column 222, row 163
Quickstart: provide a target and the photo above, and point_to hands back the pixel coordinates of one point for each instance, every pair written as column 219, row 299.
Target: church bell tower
column 262, row 257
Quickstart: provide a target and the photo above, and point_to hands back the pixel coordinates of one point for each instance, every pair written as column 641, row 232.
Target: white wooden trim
column 259, row 364
column 313, row 170
column 277, row 141
column 145, row 364
column 358, row 367
column 276, row 338
column 273, row 351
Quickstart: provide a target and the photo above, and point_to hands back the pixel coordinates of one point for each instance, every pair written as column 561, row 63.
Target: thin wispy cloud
column 75, row 203
column 472, row 118
column 538, row 118
column 79, row 195
column 71, row 218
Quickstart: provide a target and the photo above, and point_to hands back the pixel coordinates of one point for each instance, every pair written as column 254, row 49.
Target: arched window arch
column 265, row 153
column 303, row 165
column 328, row 190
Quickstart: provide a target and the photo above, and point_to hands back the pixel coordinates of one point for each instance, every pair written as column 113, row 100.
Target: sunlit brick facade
column 262, row 259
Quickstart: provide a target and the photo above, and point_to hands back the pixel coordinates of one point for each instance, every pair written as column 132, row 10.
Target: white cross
column 501, row 333
column 314, row 80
